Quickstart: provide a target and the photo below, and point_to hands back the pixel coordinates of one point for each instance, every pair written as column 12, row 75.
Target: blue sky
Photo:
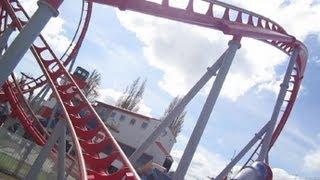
column 173, row 56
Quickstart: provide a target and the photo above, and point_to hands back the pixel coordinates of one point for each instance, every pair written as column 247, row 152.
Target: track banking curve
column 245, row 24
column 15, row 91
column 232, row 21
column 72, row 51
column 88, row 142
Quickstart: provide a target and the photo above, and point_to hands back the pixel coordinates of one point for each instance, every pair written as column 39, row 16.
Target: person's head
column 146, row 169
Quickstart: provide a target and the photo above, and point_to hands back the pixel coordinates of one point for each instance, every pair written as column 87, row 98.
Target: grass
column 6, row 177
column 9, row 164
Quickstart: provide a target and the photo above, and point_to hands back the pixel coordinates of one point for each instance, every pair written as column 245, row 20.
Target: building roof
column 99, row 103
column 143, row 117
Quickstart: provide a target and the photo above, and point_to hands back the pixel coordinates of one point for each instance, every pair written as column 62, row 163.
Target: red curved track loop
column 3, row 19
column 23, row 112
column 21, row 109
column 14, row 96
column 30, row 126
column 232, row 21
column 90, row 142
column 70, row 54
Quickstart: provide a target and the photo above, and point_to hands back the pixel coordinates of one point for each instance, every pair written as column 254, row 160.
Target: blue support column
column 45, row 151
column 282, row 94
column 62, row 153
column 5, row 37
column 177, row 110
column 243, row 152
column 25, row 38
column 197, row 132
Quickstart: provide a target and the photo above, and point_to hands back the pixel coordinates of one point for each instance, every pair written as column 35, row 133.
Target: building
column 130, row 129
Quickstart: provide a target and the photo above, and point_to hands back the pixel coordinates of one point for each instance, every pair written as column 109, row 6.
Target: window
column 132, row 122
column 122, row 118
column 113, row 114
column 144, row 125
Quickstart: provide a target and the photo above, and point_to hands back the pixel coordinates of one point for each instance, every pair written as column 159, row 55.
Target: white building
column 130, row 129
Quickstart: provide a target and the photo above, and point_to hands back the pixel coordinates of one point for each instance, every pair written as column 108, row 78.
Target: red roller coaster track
column 72, row 51
column 246, row 24
column 86, row 149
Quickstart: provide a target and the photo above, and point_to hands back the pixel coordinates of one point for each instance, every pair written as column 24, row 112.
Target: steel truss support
column 25, row 38
column 211, row 71
column 41, row 94
column 52, row 116
column 62, row 153
column 281, row 97
column 197, row 132
column 268, row 128
column 5, row 37
column 59, row 134
column 240, row 155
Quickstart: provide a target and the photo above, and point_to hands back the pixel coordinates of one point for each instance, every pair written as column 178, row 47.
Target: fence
column 18, row 154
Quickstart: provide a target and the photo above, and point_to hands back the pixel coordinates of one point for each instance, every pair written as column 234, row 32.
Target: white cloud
column 183, row 52
column 53, row 32
column 281, row 174
column 110, row 96
column 302, row 137
column 312, row 161
column 206, row 163
column 30, row 6
column 297, row 17
column 273, row 86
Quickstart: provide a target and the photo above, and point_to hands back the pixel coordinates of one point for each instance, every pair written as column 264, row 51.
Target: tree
column 93, row 84
column 175, row 125
column 132, row 96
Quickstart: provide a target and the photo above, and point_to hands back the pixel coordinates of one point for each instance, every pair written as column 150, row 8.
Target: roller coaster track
column 72, row 51
column 233, row 21
column 29, row 121
column 77, row 115
column 20, row 107
column 14, row 94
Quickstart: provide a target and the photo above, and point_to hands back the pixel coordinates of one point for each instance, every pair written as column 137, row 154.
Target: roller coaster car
column 80, row 75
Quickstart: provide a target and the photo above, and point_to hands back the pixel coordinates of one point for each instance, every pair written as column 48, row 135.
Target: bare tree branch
column 132, row 96
column 93, row 84
column 176, row 125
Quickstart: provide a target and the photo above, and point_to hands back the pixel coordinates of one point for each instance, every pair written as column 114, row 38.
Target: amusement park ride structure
column 77, row 111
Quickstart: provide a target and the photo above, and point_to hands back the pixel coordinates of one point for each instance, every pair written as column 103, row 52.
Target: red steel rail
column 245, row 24
column 71, row 52
column 87, row 141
